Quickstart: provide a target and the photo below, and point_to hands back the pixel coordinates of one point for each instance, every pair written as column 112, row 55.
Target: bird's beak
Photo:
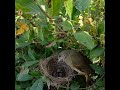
column 59, row 60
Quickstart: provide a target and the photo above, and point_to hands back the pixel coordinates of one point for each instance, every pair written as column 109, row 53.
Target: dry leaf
column 23, row 27
column 19, row 31
column 90, row 20
column 19, row 23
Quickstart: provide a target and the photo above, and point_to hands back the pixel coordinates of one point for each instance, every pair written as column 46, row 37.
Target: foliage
column 44, row 27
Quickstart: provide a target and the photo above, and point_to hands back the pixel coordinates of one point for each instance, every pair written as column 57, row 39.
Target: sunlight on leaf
column 55, row 7
column 69, row 7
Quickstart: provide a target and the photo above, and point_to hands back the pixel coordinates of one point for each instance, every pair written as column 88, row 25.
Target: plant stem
column 50, row 18
column 43, row 10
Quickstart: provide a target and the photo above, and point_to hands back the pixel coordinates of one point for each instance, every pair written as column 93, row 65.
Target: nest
column 58, row 73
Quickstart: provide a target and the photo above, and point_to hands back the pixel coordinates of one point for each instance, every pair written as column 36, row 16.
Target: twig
column 43, row 10
column 50, row 18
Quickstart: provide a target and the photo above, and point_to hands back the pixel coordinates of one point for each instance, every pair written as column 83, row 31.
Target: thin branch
column 50, row 18
column 43, row 10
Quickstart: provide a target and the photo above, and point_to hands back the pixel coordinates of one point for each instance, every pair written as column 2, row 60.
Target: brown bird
column 78, row 62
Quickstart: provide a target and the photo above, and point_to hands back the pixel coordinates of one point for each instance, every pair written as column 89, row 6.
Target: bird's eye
column 59, row 56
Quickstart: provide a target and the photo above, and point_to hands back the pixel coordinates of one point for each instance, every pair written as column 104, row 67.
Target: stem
column 43, row 10
column 50, row 18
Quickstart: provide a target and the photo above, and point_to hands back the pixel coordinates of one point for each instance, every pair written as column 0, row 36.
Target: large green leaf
column 38, row 85
column 23, row 75
column 82, row 4
column 69, row 7
column 85, row 39
column 96, row 52
column 32, row 7
column 55, row 7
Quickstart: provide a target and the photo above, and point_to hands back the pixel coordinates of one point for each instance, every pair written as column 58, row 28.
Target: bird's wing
column 79, row 63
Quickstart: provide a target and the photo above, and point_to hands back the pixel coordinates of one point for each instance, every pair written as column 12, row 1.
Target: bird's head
column 62, row 55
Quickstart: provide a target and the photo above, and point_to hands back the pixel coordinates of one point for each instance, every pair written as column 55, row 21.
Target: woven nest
column 58, row 73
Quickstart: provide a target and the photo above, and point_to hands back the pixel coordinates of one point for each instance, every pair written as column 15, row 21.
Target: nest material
column 58, row 73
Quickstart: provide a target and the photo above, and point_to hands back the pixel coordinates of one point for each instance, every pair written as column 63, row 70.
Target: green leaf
column 40, row 33
column 85, row 39
column 101, row 82
column 17, row 87
column 101, row 28
column 40, row 2
column 21, row 45
column 23, row 75
column 35, row 73
column 100, row 88
column 33, row 8
column 74, row 86
column 67, row 25
column 38, row 85
column 29, row 63
column 97, row 51
column 22, row 41
column 55, row 7
column 30, row 53
column 28, row 88
column 98, row 69
column 82, row 4
column 51, row 38
column 69, row 7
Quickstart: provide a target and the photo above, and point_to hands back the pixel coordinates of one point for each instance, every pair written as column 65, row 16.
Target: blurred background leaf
column 38, row 85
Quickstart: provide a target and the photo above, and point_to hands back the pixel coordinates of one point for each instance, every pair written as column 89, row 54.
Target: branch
column 43, row 10
column 50, row 18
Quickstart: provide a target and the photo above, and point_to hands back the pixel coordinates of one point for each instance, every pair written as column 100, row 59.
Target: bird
column 78, row 62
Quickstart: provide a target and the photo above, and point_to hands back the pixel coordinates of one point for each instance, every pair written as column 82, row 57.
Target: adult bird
column 78, row 62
